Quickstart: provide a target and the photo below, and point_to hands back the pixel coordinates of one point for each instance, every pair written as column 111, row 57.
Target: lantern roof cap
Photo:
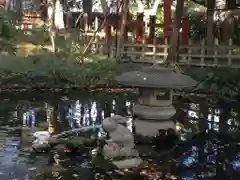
column 156, row 77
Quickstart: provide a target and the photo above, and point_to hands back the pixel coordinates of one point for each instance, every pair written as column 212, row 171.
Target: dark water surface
column 205, row 156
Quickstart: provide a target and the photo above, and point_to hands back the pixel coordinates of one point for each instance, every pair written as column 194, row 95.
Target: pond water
column 208, row 155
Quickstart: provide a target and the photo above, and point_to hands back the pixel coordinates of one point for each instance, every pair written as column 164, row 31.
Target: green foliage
column 6, row 32
column 223, row 81
column 6, row 27
column 53, row 71
column 159, row 20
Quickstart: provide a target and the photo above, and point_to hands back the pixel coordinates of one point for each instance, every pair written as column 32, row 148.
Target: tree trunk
column 174, row 42
column 210, row 23
column 44, row 10
column 152, row 25
column 87, row 9
column 152, row 22
column 140, row 23
column 108, row 26
column 225, row 113
column 227, row 22
column 140, row 27
column 120, row 107
column 227, row 30
column 125, row 8
column 203, row 116
column 99, row 113
column 51, row 19
column 107, row 108
column 52, row 118
column 167, row 17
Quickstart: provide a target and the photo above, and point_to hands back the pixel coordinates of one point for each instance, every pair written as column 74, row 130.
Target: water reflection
column 202, row 153
column 92, row 113
column 207, row 154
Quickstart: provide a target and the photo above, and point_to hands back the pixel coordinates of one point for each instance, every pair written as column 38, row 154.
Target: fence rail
column 192, row 54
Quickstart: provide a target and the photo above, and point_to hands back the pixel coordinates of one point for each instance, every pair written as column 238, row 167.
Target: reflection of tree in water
column 213, row 153
column 218, row 157
column 206, row 152
column 92, row 112
column 220, row 117
column 201, row 156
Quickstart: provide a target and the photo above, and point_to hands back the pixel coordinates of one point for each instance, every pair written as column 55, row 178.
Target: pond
column 206, row 151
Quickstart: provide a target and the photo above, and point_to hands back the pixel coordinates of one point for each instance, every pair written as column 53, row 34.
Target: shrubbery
column 53, row 71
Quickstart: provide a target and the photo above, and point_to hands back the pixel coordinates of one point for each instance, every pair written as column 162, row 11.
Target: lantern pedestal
column 149, row 128
column 153, row 111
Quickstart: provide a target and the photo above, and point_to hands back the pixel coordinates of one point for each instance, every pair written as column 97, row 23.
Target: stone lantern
column 154, row 108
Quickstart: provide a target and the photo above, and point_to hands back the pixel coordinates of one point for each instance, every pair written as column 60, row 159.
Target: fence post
column 133, row 56
column 184, row 50
column 166, row 46
column 100, row 46
column 202, row 51
column 143, row 48
column 146, row 20
column 189, row 51
column 122, row 50
column 216, row 44
column 154, row 50
column 97, row 37
column 230, row 43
